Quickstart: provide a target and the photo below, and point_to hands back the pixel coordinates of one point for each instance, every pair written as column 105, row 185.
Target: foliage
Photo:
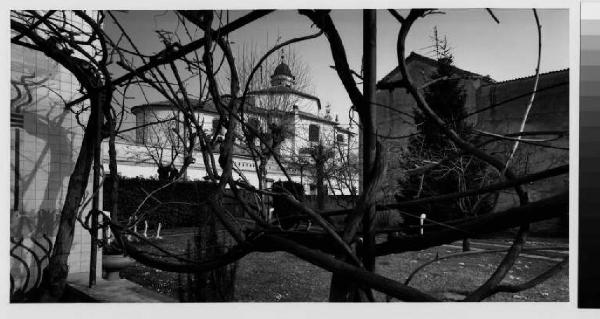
column 178, row 204
column 282, row 209
column 447, row 98
column 199, row 52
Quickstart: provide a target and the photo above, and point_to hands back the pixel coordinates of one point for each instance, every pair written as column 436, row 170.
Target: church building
column 301, row 115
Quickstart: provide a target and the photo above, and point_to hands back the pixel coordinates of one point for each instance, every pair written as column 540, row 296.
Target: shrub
column 284, row 211
column 179, row 204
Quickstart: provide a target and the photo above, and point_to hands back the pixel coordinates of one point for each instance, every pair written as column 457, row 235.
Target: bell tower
column 282, row 76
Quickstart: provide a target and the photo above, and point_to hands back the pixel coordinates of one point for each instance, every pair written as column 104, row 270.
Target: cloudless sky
column 503, row 51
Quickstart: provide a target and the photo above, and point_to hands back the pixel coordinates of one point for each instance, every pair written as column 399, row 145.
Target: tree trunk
column 341, row 289
column 368, row 119
column 216, row 285
column 466, row 244
column 112, row 156
column 55, row 274
column 262, row 181
column 163, row 172
column 320, row 163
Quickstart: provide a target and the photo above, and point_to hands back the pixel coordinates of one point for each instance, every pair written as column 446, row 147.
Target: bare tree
column 271, row 107
column 333, row 248
column 330, row 164
column 446, row 95
column 84, row 52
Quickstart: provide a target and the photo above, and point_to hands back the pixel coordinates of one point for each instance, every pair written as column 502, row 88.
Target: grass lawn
column 281, row 277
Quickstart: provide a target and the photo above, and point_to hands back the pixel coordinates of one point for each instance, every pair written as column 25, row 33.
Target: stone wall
column 550, row 111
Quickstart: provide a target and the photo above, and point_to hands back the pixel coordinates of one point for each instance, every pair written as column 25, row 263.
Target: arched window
column 313, row 133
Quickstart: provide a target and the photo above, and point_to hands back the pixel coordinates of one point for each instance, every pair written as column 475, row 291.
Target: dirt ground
column 281, row 277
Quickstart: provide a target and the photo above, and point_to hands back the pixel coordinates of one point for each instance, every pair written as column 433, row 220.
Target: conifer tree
column 447, row 97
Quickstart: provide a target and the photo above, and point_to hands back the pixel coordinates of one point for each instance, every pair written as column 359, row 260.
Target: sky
column 504, row 51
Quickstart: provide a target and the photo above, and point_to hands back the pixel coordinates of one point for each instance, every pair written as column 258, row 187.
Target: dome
column 282, row 69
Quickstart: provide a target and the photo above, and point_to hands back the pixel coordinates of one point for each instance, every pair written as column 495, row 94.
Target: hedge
column 281, row 208
column 182, row 201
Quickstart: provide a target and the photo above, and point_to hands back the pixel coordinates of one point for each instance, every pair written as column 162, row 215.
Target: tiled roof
column 282, row 89
column 315, row 117
column 209, row 106
column 206, row 106
column 395, row 74
column 545, row 74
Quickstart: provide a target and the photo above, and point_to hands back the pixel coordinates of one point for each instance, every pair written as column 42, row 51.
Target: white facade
column 299, row 112
column 134, row 161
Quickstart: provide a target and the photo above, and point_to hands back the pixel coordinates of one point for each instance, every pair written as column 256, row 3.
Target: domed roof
column 282, row 69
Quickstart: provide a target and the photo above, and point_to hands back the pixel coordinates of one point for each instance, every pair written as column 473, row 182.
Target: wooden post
column 422, row 222
column 320, row 168
column 368, row 120
column 99, row 101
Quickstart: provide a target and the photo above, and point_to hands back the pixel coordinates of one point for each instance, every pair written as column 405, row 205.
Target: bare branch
column 540, row 210
column 492, row 15
column 535, row 85
column 396, row 15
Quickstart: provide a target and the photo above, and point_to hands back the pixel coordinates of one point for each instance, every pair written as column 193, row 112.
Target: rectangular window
column 313, row 133
column 304, row 150
column 215, row 124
